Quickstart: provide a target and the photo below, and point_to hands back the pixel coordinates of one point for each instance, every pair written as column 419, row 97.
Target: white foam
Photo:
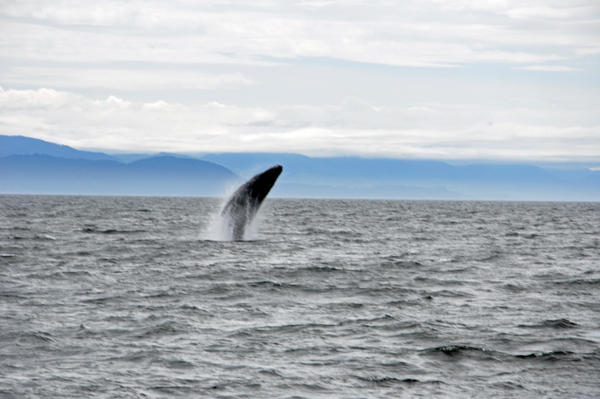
column 221, row 226
column 218, row 228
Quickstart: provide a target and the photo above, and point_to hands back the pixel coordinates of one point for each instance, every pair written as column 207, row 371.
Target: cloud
column 549, row 68
column 354, row 126
column 592, row 50
column 34, row 99
column 420, row 78
column 545, row 11
column 124, row 79
column 438, row 33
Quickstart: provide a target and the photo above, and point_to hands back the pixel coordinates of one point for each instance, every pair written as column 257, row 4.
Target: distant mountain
column 291, row 190
column 127, row 158
column 35, row 166
column 153, row 176
column 353, row 171
column 248, row 164
column 481, row 181
column 19, row 145
column 367, row 171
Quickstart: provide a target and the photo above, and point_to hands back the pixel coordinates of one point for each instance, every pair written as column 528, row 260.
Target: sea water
column 125, row 297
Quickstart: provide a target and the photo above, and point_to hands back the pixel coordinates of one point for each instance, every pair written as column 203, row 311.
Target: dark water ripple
column 124, row 297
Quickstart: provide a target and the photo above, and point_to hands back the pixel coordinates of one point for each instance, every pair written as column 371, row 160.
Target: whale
column 244, row 203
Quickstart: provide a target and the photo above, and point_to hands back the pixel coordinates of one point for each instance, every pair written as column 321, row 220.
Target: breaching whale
column 246, row 200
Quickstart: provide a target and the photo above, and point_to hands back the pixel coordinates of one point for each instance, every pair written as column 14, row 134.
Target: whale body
column 246, row 200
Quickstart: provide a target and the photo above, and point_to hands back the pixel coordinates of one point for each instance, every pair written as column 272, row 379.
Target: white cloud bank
column 354, row 127
column 58, row 58
column 407, row 33
column 126, row 79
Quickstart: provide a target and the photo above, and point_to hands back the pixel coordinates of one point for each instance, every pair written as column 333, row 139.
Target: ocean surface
column 127, row 297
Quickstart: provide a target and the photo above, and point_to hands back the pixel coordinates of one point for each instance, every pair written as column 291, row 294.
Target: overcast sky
column 511, row 80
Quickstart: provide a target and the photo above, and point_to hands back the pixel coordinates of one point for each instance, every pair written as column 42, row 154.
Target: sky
column 495, row 80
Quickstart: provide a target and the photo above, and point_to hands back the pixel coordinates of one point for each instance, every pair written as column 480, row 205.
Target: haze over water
column 133, row 298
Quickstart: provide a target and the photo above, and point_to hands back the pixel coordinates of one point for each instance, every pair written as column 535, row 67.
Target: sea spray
column 218, row 227
column 221, row 225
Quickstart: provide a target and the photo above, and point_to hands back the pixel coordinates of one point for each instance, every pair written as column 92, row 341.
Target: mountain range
column 29, row 165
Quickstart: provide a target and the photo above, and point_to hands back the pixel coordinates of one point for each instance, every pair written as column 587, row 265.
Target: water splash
column 221, row 225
